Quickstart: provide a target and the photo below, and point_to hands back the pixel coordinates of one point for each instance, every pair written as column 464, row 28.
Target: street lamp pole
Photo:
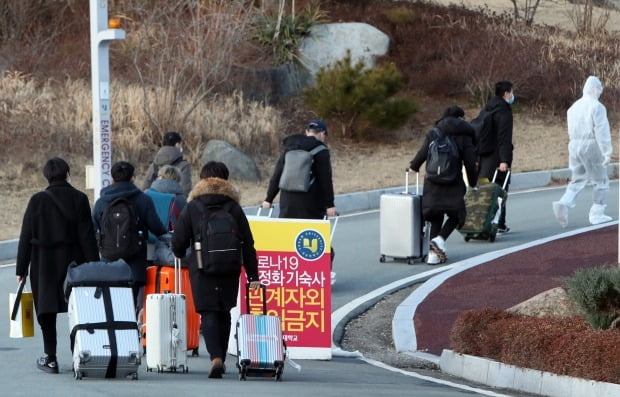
column 102, row 33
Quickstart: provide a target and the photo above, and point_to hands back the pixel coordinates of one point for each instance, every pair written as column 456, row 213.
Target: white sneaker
column 333, row 277
column 432, row 259
column 561, row 213
column 438, row 247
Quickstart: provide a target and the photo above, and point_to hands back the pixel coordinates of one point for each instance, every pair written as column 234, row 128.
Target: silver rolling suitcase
column 166, row 327
column 402, row 231
column 104, row 333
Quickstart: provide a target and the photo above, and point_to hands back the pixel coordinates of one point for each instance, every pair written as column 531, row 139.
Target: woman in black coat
column 215, row 295
column 441, row 200
column 57, row 229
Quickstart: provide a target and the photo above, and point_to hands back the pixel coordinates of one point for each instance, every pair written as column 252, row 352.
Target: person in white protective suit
column 589, row 152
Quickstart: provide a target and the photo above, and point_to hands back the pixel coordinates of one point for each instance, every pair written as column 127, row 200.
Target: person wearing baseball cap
column 318, row 201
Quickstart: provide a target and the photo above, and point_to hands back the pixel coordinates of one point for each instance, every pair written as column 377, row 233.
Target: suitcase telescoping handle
column 331, row 233
column 263, row 293
column 505, row 179
column 177, row 275
column 260, row 210
column 417, row 182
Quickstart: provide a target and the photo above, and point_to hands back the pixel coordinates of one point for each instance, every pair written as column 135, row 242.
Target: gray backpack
column 297, row 173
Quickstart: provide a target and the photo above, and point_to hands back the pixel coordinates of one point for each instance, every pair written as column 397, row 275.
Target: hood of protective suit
column 593, row 87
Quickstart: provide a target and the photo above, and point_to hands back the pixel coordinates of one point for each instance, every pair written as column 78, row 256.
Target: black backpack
column 119, row 235
column 483, row 126
column 443, row 161
column 217, row 241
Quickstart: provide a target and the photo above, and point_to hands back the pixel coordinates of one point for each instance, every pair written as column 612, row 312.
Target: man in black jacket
column 148, row 220
column 57, row 229
column 318, row 201
column 496, row 153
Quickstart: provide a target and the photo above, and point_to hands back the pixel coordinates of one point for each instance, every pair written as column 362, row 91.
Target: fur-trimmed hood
column 214, row 186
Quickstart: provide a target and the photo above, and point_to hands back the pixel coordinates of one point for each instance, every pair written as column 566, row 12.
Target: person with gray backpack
column 303, row 176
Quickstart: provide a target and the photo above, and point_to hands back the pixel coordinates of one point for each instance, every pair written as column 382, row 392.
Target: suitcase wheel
column 278, row 375
column 243, row 371
column 382, row 259
column 134, row 376
column 195, row 353
column 467, row 238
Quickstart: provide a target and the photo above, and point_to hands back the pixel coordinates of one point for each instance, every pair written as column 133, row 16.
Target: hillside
column 45, row 99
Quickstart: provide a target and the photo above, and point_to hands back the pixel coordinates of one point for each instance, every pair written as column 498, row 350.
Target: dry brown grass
column 539, row 144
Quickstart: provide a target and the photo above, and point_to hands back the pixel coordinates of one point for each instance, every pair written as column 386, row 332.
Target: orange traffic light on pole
column 114, row 23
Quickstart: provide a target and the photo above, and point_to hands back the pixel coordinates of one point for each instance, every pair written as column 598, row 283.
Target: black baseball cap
column 318, row 126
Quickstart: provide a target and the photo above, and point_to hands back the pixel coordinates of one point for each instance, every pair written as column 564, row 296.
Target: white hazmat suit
column 589, row 152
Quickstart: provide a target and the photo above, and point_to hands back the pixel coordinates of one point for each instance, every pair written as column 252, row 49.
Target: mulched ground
column 506, row 281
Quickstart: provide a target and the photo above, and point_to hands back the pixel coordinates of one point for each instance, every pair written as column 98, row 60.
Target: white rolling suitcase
column 402, row 231
column 166, row 325
column 104, row 333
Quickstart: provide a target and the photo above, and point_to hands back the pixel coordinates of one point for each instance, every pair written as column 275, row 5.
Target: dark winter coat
column 305, row 205
column 50, row 240
column 169, row 155
column 499, row 149
column 210, row 292
column 449, row 197
column 148, row 220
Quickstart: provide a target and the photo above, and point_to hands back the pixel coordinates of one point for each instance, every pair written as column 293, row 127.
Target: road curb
column 505, row 376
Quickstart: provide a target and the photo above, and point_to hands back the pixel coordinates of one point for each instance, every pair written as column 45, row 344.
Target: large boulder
column 240, row 165
column 328, row 43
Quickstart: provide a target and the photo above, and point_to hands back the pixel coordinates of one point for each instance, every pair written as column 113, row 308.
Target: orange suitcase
column 160, row 279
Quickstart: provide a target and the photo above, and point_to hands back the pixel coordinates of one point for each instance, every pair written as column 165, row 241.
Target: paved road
column 359, row 273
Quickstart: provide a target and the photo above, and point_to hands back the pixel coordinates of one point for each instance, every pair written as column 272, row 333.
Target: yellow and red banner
column 294, row 263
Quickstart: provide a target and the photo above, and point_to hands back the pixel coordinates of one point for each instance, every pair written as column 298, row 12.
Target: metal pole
column 100, row 38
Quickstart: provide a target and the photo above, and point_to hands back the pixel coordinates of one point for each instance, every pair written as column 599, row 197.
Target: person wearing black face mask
column 497, row 153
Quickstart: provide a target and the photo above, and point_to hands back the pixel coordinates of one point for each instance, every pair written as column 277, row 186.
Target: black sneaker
column 45, row 364
column 503, row 229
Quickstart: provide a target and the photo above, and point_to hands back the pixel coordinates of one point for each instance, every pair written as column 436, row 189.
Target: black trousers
column 215, row 328
column 47, row 322
column 438, row 226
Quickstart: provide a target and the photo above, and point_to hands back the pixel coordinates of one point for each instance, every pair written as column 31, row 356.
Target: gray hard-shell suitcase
column 104, row 333
column 402, row 230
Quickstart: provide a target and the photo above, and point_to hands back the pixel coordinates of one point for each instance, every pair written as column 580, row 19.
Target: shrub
column 597, row 293
column 356, row 97
column 564, row 346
